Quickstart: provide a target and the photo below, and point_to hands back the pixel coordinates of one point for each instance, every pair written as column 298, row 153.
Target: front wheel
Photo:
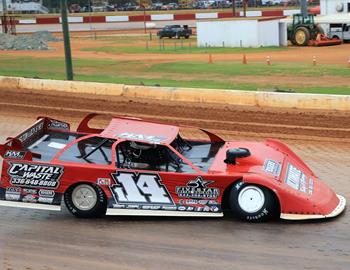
column 302, row 36
column 85, row 201
column 252, row 203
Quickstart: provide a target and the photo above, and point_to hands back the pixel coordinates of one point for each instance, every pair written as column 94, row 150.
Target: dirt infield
column 144, row 66
column 324, row 55
column 33, row 239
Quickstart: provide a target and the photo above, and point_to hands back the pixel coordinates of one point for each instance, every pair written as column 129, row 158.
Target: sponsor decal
column 35, row 175
column 31, row 132
column 311, row 186
column 142, row 137
column 46, row 193
column 13, row 193
column 54, row 124
column 293, row 177
column 30, row 191
column 103, row 181
column 196, row 202
column 169, row 207
column 45, row 200
column 296, row 179
column 198, row 189
column 140, row 189
column 272, row 167
column 14, row 154
column 29, row 198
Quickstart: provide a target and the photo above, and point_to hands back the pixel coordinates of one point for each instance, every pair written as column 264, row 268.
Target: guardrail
column 231, row 97
column 159, row 17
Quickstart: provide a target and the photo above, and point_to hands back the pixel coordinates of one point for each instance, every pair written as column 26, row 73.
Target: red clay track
column 31, row 239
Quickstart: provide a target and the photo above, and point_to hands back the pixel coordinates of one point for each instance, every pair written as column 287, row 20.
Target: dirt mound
column 36, row 41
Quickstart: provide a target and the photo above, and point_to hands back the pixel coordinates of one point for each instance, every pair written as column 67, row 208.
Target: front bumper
column 336, row 211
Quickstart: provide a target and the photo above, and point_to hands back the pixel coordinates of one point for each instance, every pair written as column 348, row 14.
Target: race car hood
column 272, row 164
column 260, row 154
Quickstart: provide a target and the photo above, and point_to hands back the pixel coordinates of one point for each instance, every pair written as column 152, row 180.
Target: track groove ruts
column 227, row 118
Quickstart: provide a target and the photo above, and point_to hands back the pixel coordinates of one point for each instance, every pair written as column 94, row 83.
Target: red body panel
column 271, row 164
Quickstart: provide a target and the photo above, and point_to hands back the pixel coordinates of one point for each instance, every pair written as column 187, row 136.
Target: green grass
column 175, row 74
column 237, row 69
column 178, row 47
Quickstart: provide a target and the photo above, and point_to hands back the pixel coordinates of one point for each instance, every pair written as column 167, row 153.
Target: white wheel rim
column 251, row 199
column 84, row 197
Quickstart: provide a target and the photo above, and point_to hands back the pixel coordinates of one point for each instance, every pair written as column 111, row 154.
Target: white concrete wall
column 162, row 17
column 268, row 33
column 231, row 33
column 237, row 33
column 330, row 6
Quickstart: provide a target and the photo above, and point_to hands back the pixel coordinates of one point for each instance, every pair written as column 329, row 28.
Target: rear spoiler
column 16, row 146
column 84, row 126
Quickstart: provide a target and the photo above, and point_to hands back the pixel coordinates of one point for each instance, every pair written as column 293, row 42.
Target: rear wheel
column 302, row 36
column 86, row 201
column 252, row 203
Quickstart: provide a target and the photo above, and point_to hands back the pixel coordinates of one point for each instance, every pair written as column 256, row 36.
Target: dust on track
column 32, row 239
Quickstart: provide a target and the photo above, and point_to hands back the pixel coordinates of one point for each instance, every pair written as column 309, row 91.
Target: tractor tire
column 301, row 36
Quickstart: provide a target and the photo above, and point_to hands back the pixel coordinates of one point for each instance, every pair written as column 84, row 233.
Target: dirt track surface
column 33, row 239
column 324, row 55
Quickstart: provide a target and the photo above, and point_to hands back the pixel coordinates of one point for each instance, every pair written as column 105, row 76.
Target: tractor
column 303, row 32
column 303, row 29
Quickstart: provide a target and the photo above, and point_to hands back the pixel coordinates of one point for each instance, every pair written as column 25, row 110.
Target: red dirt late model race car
column 134, row 167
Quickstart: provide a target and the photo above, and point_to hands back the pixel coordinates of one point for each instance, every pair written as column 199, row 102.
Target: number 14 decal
column 143, row 188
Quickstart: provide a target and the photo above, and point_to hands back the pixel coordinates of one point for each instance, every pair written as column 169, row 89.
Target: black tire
column 96, row 209
column 187, row 37
column 301, row 36
column 262, row 209
column 160, row 37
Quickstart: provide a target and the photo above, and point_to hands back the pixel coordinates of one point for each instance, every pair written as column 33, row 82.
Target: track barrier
column 229, row 97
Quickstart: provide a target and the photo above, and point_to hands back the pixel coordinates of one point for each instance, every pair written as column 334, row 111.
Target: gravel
column 36, row 41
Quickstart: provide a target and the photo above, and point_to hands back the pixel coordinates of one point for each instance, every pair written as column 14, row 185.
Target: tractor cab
column 298, row 19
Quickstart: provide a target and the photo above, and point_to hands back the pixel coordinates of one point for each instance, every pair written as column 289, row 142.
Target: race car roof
column 142, row 131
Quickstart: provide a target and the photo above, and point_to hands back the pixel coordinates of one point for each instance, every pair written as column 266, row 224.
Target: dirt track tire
column 301, row 36
column 86, row 201
column 187, row 37
column 252, row 203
